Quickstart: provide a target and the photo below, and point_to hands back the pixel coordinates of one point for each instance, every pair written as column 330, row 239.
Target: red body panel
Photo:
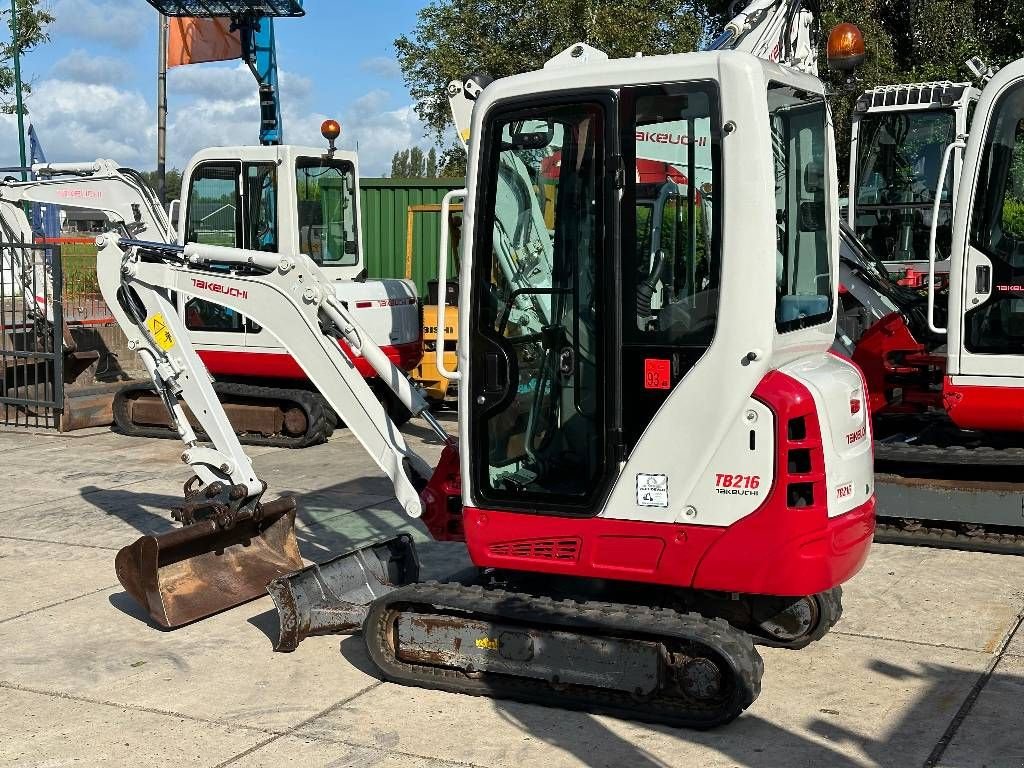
column 993, row 409
column 892, row 359
column 771, row 552
column 280, row 365
column 788, row 546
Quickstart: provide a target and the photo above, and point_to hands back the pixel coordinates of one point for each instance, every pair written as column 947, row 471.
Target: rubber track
column 476, row 602
column 948, row 538
column 318, row 416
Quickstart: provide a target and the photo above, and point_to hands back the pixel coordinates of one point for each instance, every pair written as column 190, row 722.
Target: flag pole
column 19, row 104
column 161, row 112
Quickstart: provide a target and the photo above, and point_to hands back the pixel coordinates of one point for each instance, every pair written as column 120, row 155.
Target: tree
column 31, row 28
column 413, row 164
column 172, row 180
column 453, row 38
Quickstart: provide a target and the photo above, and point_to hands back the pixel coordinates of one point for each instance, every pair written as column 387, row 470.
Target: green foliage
column 452, row 163
column 30, row 26
column 1013, row 217
column 453, row 38
column 172, row 179
column 413, row 164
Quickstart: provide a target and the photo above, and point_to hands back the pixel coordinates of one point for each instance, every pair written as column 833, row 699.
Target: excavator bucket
column 201, row 569
column 334, row 597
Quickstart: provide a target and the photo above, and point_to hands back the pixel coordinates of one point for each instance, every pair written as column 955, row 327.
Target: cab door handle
column 983, row 279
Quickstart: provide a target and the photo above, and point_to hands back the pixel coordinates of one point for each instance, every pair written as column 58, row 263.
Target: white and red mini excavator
column 659, row 460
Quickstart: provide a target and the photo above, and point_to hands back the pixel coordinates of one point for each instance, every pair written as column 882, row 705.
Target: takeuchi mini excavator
column 264, row 198
column 659, row 459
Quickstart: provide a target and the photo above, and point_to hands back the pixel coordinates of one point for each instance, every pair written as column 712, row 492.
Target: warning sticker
column 161, row 333
column 652, row 490
column 657, row 374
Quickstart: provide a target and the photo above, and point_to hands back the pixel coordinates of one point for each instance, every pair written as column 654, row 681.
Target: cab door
column 539, row 372
column 987, row 301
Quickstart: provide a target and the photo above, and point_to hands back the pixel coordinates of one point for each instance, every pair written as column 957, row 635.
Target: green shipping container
column 385, row 207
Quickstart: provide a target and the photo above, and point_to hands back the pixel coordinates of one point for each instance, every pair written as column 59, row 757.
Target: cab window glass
column 672, row 282
column 802, row 267
column 326, row 191
column 206, row 316
column 213, row 217
column 261, row 203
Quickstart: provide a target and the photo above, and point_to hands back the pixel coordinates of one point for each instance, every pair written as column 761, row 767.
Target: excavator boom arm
column 289, row 297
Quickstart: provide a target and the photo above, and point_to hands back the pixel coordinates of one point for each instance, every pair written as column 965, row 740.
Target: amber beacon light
column 845, row 47
column 330, row 130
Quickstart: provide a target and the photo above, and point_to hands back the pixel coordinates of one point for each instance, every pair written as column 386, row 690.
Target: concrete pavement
column 925, row 668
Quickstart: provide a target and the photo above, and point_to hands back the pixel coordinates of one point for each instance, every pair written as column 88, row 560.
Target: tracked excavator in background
column 649, row 466
column 944, row 371
column 298, row 199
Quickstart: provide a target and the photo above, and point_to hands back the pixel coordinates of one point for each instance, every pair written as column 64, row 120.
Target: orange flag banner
column 192, row 40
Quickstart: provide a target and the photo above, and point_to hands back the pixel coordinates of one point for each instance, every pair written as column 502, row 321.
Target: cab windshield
column 326, row 191
column 898, row 162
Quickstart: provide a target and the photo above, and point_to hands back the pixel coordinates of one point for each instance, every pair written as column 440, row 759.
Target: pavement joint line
column 58, row 603
column 134, row 707
column 80, row 494
column 291, row 731
column 972, row 696
column 866, row 636
column 387, row 751
column 58, row 543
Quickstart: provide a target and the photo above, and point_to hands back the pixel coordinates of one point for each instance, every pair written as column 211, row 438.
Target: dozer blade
column 199, row 570
column 334, row 597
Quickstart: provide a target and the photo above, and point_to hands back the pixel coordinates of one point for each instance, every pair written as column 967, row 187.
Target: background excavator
column 627, row 445
column 265, row 198
column 948, row 425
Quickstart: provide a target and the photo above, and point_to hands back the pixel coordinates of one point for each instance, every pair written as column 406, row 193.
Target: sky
column 94, row 86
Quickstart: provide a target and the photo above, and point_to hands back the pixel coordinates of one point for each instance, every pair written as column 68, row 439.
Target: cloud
column 83, row 67
column 211, row 82
column 115, row 22
column 381, row 66
column 79, row 121
column 209, row 106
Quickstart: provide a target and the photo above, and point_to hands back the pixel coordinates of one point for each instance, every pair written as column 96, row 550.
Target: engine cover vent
column 539, row 549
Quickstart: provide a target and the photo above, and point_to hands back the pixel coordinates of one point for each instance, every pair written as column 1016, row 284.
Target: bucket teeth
column 201, row 569
column 334, row 597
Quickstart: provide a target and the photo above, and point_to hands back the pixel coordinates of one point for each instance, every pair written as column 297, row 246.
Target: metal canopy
column 208, row 8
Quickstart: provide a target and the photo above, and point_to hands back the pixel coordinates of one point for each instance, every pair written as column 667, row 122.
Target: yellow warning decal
column 161, row 333
column 464, row 133
column 490, row 643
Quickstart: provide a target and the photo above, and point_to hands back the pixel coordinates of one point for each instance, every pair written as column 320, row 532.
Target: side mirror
column 173, row 212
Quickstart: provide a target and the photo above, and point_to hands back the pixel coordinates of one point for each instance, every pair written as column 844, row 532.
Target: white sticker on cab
column 651, row 490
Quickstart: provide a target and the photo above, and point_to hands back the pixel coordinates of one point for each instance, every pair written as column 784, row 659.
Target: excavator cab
column 984, row 386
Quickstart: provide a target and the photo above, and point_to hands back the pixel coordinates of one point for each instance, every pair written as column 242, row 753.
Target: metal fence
column 31, row 335
column 83, row 302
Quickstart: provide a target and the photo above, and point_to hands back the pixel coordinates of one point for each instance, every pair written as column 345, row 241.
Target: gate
column 31, row 335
